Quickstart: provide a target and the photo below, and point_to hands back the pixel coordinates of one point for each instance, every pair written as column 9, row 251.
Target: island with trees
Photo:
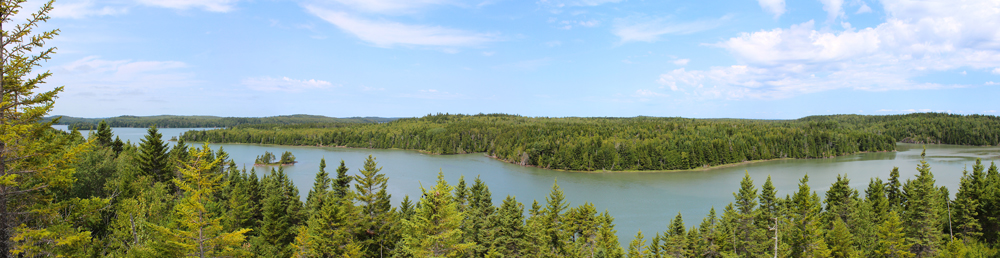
column 268, row 159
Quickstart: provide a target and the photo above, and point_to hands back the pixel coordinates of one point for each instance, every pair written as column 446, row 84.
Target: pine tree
column 637, row 248
column 406, row 208
column 118, row 146
column 966, row 206
column 989, row 206
column 103, row 136
column 376, row 235
column 329, row 227
column 462, row 194
column 510, row 239
column 321, row 186
column 281, row 209
column 748, row 235
column 35, row 161
column 342, row 184
column 434, row 230
column 200, row 232
column 153, row 157
column 876, row 199
column 839, row 199
column 921, row 212
column 655, row 250
column 892, row 239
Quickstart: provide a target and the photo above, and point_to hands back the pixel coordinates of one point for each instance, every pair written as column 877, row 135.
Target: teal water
column 644, row 201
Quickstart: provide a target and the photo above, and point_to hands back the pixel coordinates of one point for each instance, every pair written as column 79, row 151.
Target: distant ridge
column 173, row 121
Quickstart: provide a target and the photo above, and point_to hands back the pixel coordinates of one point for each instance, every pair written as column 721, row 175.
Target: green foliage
column 376, row 233
column 587, row 144
column 892, row 238
column 921, row 213
column 434, row 230
column 321, row 187
column 637, row 248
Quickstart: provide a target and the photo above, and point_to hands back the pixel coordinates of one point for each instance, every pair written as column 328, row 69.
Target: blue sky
column 397, row 58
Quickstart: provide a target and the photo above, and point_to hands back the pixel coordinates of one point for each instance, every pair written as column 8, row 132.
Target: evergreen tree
column 103, row 136
column 477, row 227
column 892, row 238
column 748, row 235
column 921, row 213
column 655, row 250
column 876, row 199
column 434, row 230
column 280, row 209
column 510, row 238
column 989, row 206
column 892, row 190
column 376, row 235
column 552, row 222
column 676, row 239
column 707, row 245
column 839, row 199
column 637, row 248
column 200, row 232
column 342, row 184
column 841, row 241
column 118, row 146
column 35, row 161
column 329, row 227
column 806, row 232
column 406, row 209
column 462, row 194
column 153, row 157
column 966, row 206
column 607, row 240
column 321, row 186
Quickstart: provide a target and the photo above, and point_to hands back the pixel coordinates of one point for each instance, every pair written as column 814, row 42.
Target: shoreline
column 708, row 168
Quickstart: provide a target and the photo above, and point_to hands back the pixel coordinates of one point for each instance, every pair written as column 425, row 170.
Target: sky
column 768, row 59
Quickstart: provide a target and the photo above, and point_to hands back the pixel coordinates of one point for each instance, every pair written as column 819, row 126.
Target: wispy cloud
column 84, row 8
column 115, row 79
column 207, row 5
column 681, row 62
column 388, row 34
column 563, row 3
column 392, row 6
column 284, row 84
column 650, row 29
column 774, row 7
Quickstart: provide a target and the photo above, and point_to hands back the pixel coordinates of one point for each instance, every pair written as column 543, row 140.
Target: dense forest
column 639, row 143
column 167, row 121
column 148, row 200
column 589, row 144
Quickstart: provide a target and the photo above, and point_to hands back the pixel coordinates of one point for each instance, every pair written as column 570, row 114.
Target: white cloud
column 392, row 6
column 284, row 84
column 774, row 7
column 992, row 83
column 863, row 9
column 833, row 8
column 556, row 43
column 562, row 3
column 682, row 62
column 388, row 34
column 82, row 9
column 996, row 71
column 207, row 5
column 649, row 93
column 649, row 30
column 112, row 79
column 918, row 37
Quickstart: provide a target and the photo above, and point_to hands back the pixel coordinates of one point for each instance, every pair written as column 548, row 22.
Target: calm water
column 644, row 201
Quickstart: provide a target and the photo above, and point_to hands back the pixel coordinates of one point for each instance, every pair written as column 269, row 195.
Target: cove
column 645, row 201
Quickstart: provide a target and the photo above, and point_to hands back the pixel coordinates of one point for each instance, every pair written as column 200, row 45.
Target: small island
column 268, row 159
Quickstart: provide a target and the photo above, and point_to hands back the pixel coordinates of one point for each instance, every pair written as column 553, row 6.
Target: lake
column 644, row 201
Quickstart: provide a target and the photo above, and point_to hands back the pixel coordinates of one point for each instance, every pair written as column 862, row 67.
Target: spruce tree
column 966, row 207
column 434, row 230
column 329, row 227
column 103, row 136
column 554, row 235
column 892, row 238
column 281, row 209
column 34, row 160
column 153, row 157
column 707, row 246
column 607, row 240
column 376, row 234
column 637, row 248
column 840, row 239
column 921, row 213
column 675, row 244
column 200, row 232
column 118, row 146
column 989, row 207
column 462, row 194
column 893, row 192
column 406, row 208
column 876, row 199
column 748, row 235
column 807, row 232
column 477, row 227
column 342, row 184
column 321, row 186
column 510, row 238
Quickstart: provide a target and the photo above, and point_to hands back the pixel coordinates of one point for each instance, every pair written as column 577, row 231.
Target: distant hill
column 171, row 121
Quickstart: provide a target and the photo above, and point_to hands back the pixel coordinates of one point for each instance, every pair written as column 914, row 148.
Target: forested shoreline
column 168, row 121
column 149, row 200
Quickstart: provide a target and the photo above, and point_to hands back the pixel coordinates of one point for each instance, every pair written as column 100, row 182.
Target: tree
column 637, row 248
column 510, row 239
column 966, row 206
column 103, row 134
column 434, row 230
column 892, row 238
column 477, row 226
column 199, row 231
column 552, row 221
column 153, row 157
column 675, row 243
column 748, row 236
column 342, row 184
column 840, row 240
column 280, row 210
column 376, row 234
column 921, row 211
column 33, row 158
column 321, row 186
column 893, row 191
column 806, row 232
